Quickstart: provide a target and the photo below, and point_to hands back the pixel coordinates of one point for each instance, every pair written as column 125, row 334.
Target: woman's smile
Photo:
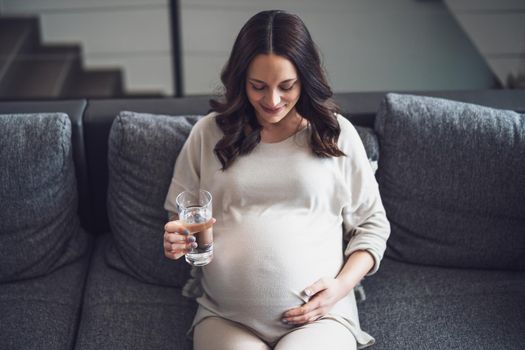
column 273, row 110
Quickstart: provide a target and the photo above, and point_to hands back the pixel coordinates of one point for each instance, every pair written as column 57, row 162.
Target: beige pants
column 215, row 333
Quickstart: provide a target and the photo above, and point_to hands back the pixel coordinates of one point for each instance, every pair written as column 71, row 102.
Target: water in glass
column 203, row 254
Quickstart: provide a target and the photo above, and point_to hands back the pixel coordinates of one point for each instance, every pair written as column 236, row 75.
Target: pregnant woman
column 290, row 180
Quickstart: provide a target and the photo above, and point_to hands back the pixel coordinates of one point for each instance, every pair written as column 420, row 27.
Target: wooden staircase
column 31, row 70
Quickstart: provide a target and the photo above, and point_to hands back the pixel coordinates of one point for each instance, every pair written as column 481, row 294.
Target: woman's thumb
column 315, row 288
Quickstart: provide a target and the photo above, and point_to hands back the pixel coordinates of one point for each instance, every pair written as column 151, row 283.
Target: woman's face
column 273, row 88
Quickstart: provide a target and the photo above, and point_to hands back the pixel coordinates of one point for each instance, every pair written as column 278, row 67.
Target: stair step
column 29, row 70
column 73, row 53
column 14, row 32
column 42, row 74
column 39, row 78
column 59, row 50
column 18, row 36
column 100, row 83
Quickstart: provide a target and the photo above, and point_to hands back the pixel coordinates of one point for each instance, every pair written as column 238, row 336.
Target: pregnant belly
column 257, row 275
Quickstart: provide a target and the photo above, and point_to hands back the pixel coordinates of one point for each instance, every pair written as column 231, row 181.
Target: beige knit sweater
column 281, row 216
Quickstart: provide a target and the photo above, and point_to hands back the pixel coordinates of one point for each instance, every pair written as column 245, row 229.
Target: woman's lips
column 272, row 110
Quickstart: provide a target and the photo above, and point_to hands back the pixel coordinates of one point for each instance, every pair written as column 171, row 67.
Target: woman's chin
column 271, row 117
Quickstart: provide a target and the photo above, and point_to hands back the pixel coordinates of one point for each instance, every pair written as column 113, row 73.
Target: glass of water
column 195, row 207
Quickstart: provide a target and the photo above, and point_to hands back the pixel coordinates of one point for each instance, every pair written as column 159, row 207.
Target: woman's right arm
column 178, row 238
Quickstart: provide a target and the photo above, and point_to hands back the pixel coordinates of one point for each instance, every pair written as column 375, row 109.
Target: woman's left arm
column 326, row 292
column 366, row 228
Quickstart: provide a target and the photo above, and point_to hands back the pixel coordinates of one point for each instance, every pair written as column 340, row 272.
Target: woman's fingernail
column 308, row 292
column 186, row 232
column 191, row 239
column 194, row 245
column 285, row 321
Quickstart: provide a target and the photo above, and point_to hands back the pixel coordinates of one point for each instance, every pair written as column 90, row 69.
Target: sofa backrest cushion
column 370, row 141
column 39, row 226
column 452, row 179
column 142, row 152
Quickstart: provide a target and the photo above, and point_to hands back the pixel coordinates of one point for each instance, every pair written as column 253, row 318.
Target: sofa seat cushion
column 451, row 176
column 121, row 312
column 43, row 312
column 39, row 227
column 423, row 307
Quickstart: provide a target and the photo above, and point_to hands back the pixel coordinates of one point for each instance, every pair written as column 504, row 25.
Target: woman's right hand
column 179, row 238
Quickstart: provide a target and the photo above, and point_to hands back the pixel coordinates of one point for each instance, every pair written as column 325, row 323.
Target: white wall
column 497, row 29
column 367, row 45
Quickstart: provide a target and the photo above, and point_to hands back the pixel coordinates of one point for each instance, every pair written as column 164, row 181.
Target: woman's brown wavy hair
column 285, row 35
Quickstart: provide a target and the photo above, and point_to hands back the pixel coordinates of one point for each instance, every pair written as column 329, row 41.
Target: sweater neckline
column 287, row 140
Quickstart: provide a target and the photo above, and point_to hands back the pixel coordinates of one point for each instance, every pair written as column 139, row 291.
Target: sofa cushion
column 121, row 312
column 425, row 307
column 43, row 312
column 39, row 227
column 451, row 176
column 141, row 156
column 370, row 141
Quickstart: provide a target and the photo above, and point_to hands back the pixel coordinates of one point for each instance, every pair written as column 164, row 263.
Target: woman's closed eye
column 287, row 87
column 258, row 87
column 262, row 87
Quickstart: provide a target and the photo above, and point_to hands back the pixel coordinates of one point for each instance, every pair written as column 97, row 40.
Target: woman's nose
column 273, row 98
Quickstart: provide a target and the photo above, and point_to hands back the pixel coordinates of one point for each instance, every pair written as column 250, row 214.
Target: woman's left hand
column 324, row 294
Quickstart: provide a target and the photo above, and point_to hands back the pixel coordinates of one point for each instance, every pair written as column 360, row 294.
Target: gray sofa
column 82, row 185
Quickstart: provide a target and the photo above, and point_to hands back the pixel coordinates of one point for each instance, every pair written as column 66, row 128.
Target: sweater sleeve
column 186, row 173
column 365, row 224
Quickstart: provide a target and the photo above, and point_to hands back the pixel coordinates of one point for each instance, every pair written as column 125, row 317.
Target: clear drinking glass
column 196, row 207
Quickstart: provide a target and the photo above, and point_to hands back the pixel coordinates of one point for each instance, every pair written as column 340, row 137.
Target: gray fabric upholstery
column 451, row 177
column 408, row 306
column 370, row 141
column 121, row 312
column 418, row 307
column 142, row 153
column 43, row 312
column 39, row 227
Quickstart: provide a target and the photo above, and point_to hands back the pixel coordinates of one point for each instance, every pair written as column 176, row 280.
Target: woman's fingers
column 177, row 245
column 306, row 317
column 322, row 296
column 173, row 247
column 177, row 255
column 200, row 227
column 311, row 309
column 177, row 251
column 178, row 238
column 176, row 226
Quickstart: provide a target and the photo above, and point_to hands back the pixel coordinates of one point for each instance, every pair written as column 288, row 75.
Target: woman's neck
column 288, row 126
